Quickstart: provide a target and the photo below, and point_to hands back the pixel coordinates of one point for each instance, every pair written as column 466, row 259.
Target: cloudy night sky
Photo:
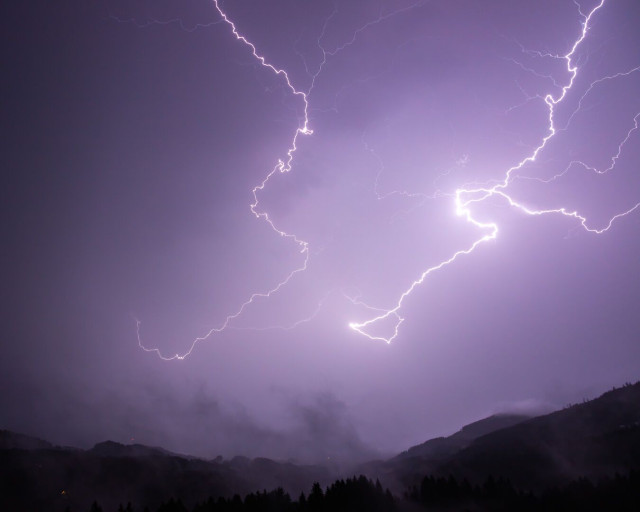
column 134, row 135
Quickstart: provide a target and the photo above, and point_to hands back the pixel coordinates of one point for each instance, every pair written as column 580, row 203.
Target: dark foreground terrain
column 584, row 457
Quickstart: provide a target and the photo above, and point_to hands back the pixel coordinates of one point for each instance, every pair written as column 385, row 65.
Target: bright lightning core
column 467, row 196
column 464, row 199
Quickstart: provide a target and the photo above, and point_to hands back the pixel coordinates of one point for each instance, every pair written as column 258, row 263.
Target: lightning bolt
column 283, row 166
column 466, row 197
column 177, row 21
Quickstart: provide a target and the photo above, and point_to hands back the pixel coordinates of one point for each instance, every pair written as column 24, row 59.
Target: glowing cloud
column 464, row 199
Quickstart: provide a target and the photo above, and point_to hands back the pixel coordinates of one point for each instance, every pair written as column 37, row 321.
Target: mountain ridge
column 597, row 438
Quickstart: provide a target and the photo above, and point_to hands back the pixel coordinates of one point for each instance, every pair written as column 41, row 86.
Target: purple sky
column 134, row 134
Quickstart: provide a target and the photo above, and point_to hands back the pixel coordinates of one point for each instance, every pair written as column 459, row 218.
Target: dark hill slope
column 410, row 466
column 591, row 439
column 442, row 447
column 14, row 441
column 111, row 473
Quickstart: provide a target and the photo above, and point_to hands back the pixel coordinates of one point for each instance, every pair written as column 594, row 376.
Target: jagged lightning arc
column 466, row 197
column 283, row 166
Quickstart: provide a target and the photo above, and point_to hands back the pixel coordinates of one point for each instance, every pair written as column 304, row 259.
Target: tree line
column 620, row 493
column 360, row 494
column 357, row 494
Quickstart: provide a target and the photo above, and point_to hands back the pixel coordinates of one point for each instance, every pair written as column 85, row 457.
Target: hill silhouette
column 14, row 441
column 592, row 439
column 495, row 460
column 442, row 447
column 36, row 475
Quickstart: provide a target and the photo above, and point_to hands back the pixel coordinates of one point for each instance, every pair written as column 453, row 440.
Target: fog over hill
column 593, row 439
